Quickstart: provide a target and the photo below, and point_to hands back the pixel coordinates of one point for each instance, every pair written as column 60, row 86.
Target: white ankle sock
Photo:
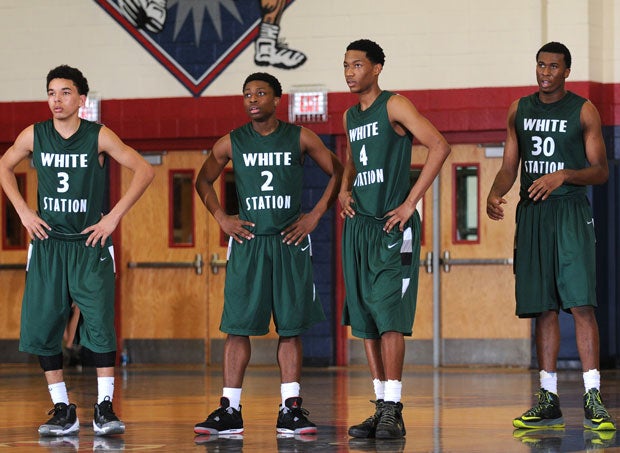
column 289, row 390
column 233, row 395
column 592, row 380
column 105, row 387
column 379, row 389
column 393, row 390
column 58, row 393
column 549, row 381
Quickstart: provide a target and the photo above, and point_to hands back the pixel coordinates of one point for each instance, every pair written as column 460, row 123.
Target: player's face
column 551, row 72
column 259, row 100
column 63, row 98
column 359, row 72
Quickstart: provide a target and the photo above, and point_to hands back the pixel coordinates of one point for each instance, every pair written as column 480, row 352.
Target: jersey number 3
column 63, row 182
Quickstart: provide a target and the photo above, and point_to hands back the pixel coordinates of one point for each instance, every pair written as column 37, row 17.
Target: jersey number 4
column 363, row 156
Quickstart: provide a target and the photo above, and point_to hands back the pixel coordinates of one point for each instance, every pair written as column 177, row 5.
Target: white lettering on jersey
column 267, row 159
column 64, row 204
column 365, row 131
column 64, row 160
column 544, row 125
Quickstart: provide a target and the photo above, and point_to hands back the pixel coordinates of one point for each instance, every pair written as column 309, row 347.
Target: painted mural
column 196, row 39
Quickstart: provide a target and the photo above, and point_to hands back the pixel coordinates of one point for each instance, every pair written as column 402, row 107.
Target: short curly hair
column 557, row 47
column 374, row 52
column 69, row 73
column 265, row 77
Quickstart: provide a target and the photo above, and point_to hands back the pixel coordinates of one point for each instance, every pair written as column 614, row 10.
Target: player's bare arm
column 345, row 195
column 596, row 173
column 327, row 161
column 213, row 166
column 507, row 174
column 21, row 149
column 404, row 116
column 143, row 173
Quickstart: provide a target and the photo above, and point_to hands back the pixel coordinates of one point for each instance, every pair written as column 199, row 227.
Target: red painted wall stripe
column 468, row 115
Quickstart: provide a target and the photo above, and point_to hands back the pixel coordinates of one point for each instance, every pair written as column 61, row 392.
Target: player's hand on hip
column 35, row 225
column 298, row 230
column 100, row 232
column 234, row 227
column 398, row 217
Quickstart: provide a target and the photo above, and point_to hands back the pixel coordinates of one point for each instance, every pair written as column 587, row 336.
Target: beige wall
column 429, row 45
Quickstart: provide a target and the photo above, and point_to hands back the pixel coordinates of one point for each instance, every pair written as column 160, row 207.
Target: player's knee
column 51, row 362
column 104, row 359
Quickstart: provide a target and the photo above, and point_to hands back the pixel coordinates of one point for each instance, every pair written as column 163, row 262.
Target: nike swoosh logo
column 102, row 259
column 391, row 246
column 305, row 248
column 591, row 222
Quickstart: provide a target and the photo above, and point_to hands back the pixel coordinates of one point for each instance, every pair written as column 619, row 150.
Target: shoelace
column 388, row 416
column 297, row 412
column 374, row 417
column 595, row 404
column 106, row 411
column 543, row 403
column 220, row 411
column 54, row 410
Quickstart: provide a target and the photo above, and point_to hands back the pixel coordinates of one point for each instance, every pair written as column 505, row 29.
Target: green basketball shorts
column 59, row 272
column 554, row 256
column 381, row 273
column 266, row 277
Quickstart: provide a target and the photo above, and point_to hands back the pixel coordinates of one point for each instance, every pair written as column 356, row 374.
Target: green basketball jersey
column 382, row 159
column 550, row 139
column 70, row 178
column 268, row 175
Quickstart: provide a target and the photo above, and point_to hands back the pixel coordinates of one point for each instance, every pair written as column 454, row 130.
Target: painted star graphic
column 197, row 9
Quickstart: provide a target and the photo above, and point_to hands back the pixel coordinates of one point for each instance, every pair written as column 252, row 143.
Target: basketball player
column 269, row 268
column 381, row 235
column 555, row 137
column 70, row 258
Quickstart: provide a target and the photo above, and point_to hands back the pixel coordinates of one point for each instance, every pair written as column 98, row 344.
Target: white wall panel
column 437, row 44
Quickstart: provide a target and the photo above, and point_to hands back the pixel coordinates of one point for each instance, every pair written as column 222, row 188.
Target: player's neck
column 266, row 127
column 553, row 96
column 66, row 127
column 367, row 97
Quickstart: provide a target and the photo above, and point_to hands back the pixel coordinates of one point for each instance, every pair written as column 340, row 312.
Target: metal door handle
column 12, row 267
column 216, row 263
column 196, row 264
column 447, row 262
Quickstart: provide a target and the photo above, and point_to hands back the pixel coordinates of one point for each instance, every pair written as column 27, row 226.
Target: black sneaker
column 596, row 416
column 223, row 420
column 292, row 419
column 63, row 422
column 367, row 428
column 546, row 414
column 391, row 425
column 105, row 420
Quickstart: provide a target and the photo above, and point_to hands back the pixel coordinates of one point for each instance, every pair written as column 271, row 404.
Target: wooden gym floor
column 446, row 410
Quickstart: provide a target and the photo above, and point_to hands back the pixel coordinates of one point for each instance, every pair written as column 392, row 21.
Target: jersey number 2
column 267, row 187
